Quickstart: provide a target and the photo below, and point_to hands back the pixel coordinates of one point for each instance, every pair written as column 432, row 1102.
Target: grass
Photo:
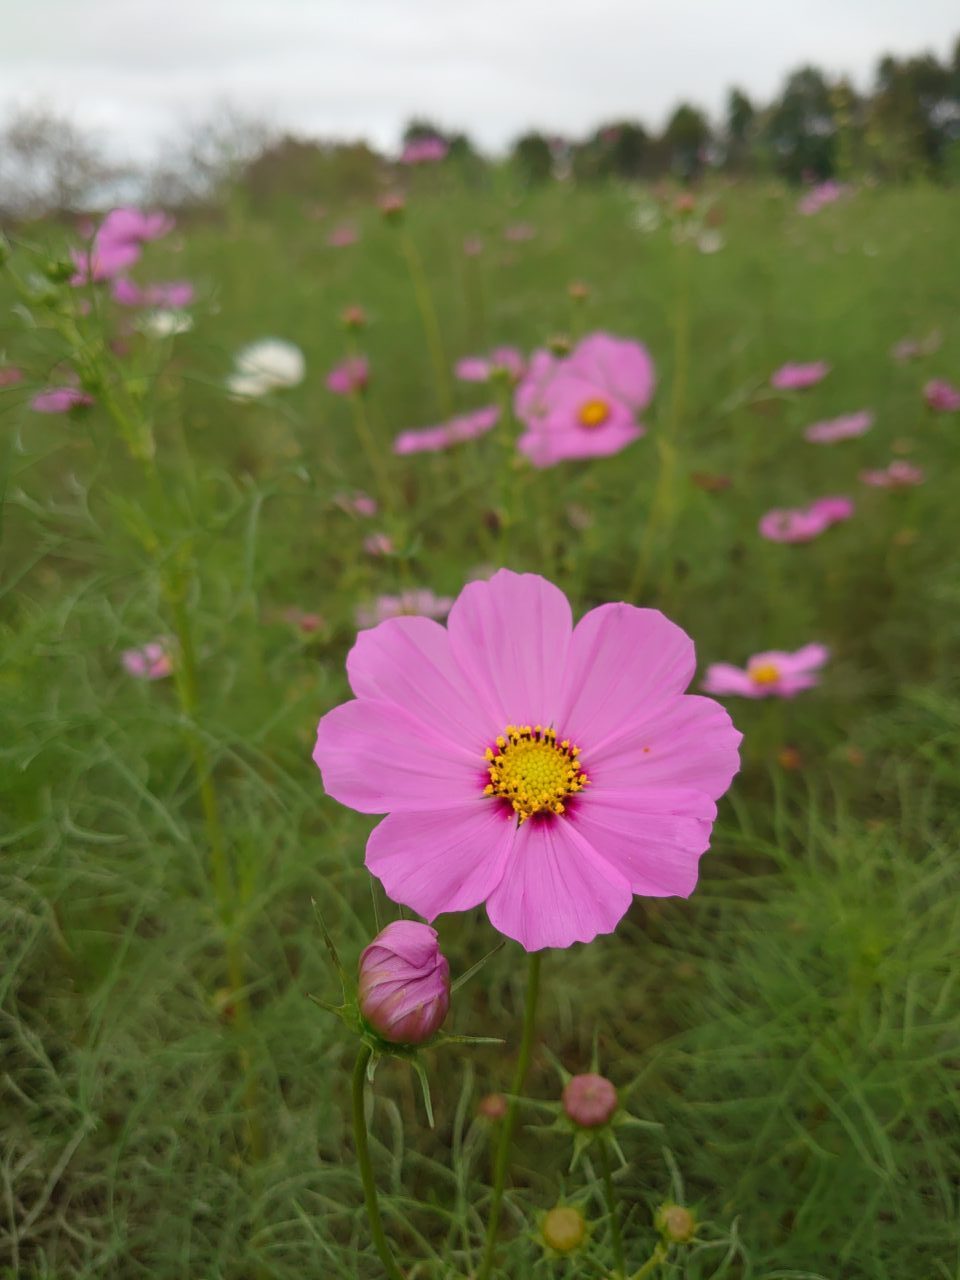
column 792, row 1027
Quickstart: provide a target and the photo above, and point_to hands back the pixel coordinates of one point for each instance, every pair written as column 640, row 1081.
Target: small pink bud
column 589, row 1100
column 354, row 318
column 393, row 206
column 493, row 1106
column 404, row 987
column 675, row 1223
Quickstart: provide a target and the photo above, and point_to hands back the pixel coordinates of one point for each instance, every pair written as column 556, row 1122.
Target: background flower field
column 792, row 1027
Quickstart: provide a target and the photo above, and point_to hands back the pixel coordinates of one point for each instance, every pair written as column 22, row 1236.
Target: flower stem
column 371, row 449
column 366, row 1169
column 428, row 318
column 659, row 1255
column 615, row 1237
column 510, row 1120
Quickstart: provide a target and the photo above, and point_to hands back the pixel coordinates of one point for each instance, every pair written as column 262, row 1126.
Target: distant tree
column 800, row 127
column 684, row 141
column 914, row 116
column 47, row 166
column 532, row 156
column 306, row 169
column 740, row 122
column 205, row 165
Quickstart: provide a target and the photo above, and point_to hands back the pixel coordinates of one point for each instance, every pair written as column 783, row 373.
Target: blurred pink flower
column 941, row 396
column 584, row 405
column 59, row 400
column 805, row 523
column 796, row 377
column 517, row 232
column 914, row 348
column 134, row 226
column 102, row 261
column 416, row 602
column 482, row 368
column 358, row 504
column 307, row 623
column 424, row 151
column 467, row 426
column 820, row 196
column 343, row 236
column 843, row 428
column 350, row 376
column 553, row 828
column 768, row 675
column 10, row 375
column 473, row 246
column 150, row 662
column 378, row 544
column 897, row 475
column 174, row 294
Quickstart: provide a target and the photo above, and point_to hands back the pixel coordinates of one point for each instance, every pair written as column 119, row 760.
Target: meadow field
column 173, row 1103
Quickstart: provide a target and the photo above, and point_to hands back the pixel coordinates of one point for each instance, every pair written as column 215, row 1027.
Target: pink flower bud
column 404, row 986
column 589, row 1100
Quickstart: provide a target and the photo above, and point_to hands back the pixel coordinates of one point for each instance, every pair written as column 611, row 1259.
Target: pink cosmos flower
column 584, row 405
column 102, row 261
column 150, row 662
column 769, row 675
column 358, row 504
column 914, row 348
column 417, row 602
column 845, row 427
column 59, row 400
column 473, row 246
column 519, row 231
column 134, row 226
column 378, row 544
column 350, row 376
column 898, row 475
column 941, row 396
column 797, row 377
column 10, row 375
column 482, row 368
column 404, row 983
column 424, row 151
column 343, row 236
column 173, row 294
column 805, row 523
column 820, row 196
column 467, row 426
column 546, row 770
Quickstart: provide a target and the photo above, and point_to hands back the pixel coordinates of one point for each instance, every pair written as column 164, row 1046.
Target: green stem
column 615, row 1236
column 428, row 317
column 373, row 454
column 510, row 1120
column 366, row 1169
column 659, row 1255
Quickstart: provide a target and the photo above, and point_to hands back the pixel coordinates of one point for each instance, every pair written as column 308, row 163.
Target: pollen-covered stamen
column 593, row 413
column 764, row 673
column 534, row 771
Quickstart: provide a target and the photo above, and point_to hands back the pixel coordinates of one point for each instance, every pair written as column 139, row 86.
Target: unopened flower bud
column 59, row 271
column 675, row 1223
column 393, row 206
column 578, row 291
column 404, row 984
column 493, row 1106
column 354, row 318
column 564, row 1229
column 559, row 344
column 789, row 758
column 589, row 1100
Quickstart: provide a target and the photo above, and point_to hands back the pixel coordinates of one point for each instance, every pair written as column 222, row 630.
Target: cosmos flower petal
column 656, row 852
column 723, row 677
column 409, row 662
column 510, row 636
column 620, row 364
column 377, row 758
column 556, row 889
column 622, row 660
column 446, row 860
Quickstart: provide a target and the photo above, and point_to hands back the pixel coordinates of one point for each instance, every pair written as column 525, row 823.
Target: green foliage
column 793, row 1026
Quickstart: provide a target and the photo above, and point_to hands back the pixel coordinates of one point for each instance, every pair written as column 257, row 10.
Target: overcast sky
column 138, row 71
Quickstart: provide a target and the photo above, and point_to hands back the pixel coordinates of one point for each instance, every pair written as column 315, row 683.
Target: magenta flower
column 343, row 236
column 60, row 400
column 546, row 770
column 769, row 675
column 482, row 368
column 797, row 377
column 416, row 602
column 358, row 503
column 941, row 396
column 589, row 1100
column 432, row 439
column 378, row 544
column 102, row 261
column 898, row 475
column 424, row 151
column 150, row 662
column 350, row 376
column 802, row 524
column 173, row 294
column 404, row 986
column 585, row 405
column 10, row 375
column 845, row 427
column 820, row 196
column 134, row 226
column 517, row 232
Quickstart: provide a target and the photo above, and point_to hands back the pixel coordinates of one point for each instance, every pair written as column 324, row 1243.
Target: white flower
column 265, row 365
column 710, row 241
column 166, row 324
column 646, row 218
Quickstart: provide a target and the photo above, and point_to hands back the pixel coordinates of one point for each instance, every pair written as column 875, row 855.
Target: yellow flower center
column 533, row 771
column 764, row 673
column 594, row 413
